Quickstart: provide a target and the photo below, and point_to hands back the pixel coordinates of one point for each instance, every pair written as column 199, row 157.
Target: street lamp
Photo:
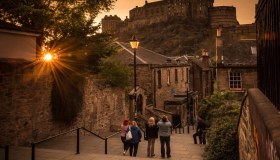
column 134, row 45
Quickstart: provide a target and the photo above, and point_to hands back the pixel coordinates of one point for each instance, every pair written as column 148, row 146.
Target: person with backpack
column 124, row 128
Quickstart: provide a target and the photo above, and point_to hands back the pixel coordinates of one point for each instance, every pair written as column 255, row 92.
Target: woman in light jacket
column 124, row 128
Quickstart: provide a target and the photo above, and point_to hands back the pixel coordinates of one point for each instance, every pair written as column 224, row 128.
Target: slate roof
column 145, row 56
column 11, row 27
column 240, row 53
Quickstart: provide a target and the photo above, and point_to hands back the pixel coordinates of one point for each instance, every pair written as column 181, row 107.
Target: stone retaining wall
column 26, row 115
column 259, row 128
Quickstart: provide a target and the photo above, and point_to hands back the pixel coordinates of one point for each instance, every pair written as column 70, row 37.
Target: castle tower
column 223, row 16
column 110, row 23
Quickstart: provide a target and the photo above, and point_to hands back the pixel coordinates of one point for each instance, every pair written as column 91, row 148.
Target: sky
column 245, row 9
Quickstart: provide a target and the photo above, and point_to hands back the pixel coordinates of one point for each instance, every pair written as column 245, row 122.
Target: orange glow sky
column 245, row 8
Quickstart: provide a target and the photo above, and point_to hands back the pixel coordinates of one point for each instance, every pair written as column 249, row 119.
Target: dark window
column 182, row 70
column 235, row 81
column 176, row 75
column 159, row 78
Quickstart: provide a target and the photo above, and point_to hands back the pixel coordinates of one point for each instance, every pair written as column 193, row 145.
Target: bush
column 222, row 111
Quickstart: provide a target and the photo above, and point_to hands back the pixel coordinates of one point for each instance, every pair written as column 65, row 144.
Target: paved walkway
column 92, row 148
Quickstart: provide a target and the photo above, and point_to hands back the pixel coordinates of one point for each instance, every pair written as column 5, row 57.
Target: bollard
column 78, row 142
column 106, row 146
column 33, row 151
column 7, row 152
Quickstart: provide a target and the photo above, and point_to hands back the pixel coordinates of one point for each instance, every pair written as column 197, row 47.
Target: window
column 168, row 77
column 182, row 71
column 187, row 75
column 176, row 75
column 235, row 81
column 159, row 78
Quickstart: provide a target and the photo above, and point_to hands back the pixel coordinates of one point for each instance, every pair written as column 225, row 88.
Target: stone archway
column 140, row 101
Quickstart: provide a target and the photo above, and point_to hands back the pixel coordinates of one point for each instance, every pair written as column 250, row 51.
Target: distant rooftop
column 241, row 53
column 146, row 56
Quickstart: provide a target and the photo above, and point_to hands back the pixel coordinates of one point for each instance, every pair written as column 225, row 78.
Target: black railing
column 178, row 126
column 78, row 140
column 6, row 151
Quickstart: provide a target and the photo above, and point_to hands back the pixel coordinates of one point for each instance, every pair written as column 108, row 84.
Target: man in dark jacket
column 200, row 131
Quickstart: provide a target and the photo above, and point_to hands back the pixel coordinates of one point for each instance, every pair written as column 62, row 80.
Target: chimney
column 168, row 60
column 205, row 59
column 146, row 2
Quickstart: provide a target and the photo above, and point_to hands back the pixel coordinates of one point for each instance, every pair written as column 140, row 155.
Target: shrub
column 222, row 111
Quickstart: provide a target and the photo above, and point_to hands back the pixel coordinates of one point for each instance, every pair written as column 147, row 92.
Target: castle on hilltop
column 159, row 11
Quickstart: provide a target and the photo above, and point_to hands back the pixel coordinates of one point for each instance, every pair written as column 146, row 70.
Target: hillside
column 177, row 36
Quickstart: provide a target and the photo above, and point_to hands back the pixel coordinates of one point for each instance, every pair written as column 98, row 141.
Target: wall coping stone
column 268, row 113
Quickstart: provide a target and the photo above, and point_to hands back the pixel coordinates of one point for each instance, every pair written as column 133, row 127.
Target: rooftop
column 241, row 53
column 146, row 56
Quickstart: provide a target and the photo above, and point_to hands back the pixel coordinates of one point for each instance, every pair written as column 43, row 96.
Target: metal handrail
column 52, row 137
column 6, row 150
column 93, row 133
column 78, row 140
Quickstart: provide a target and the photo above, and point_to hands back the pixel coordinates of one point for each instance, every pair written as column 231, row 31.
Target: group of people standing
column 152, row 130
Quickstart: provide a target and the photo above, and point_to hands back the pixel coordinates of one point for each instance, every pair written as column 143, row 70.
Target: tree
column 67, row 28
column 63, row 25
column 115, row 73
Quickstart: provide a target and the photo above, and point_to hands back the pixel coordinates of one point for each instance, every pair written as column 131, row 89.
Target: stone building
column 16, row 44
column 201, row 79
column 237, row 70
column 110, row 23
column 160, row 76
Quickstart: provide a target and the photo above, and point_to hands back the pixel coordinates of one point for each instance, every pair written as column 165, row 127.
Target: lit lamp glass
column 134, row 43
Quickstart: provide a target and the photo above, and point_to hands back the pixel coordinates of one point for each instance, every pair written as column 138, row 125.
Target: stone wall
column 26, row 113
column 259, row 128
column 25, row 104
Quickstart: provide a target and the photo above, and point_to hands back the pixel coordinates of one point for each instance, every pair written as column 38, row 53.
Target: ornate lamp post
column 134, row 45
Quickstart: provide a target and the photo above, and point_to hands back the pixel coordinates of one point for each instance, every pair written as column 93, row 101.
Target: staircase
column 92, row 148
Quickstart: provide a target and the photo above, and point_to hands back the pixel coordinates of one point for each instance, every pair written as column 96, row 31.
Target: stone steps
column 64, row 148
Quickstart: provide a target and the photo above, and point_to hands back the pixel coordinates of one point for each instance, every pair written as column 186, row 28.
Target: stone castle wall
column 26, row 113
